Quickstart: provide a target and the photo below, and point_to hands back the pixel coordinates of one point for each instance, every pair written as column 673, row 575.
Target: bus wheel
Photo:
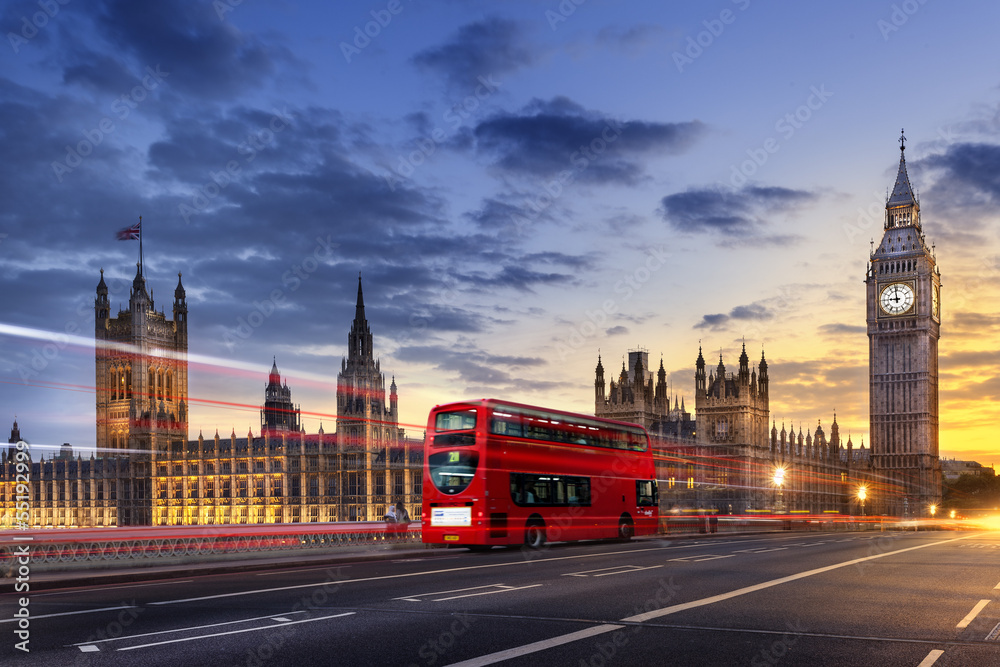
column 534, row 534
column 625, row 529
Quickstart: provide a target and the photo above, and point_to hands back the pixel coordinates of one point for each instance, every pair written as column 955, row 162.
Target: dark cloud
column 616, row 331
column 550, row 137
column 470, row 364
column 204, row 55
column 493, row 46
column 737, row 216
column 718, row 321
column 975, row 166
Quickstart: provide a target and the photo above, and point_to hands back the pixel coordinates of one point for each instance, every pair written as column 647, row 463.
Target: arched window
column 170, row 385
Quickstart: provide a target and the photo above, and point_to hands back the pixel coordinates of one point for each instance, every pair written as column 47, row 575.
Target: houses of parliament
column 728, row 457
column 149, row 473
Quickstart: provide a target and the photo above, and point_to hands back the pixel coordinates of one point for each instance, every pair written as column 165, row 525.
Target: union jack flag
column 130, row 233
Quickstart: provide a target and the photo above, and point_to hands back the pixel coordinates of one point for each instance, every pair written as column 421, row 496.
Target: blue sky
column 521, row 184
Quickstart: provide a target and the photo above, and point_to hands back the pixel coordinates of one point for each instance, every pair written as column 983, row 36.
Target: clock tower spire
column 904, row 325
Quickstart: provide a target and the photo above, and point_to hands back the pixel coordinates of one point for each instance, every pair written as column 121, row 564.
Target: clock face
column 936, row 302
column 896, row 299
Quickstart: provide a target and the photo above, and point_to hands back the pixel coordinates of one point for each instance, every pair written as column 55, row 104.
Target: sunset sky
column 522, row 185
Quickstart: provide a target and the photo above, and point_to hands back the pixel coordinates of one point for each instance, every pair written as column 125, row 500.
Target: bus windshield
column 452, row 472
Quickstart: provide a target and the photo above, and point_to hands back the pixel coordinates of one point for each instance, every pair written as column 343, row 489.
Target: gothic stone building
column 726, row 460
column 148, row 473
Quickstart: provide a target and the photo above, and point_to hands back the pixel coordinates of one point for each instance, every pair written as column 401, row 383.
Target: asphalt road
column 782, row 599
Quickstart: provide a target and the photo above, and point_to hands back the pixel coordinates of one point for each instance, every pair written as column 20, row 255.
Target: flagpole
column 142, row 269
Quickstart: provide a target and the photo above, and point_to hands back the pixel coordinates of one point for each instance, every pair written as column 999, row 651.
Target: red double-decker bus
column 499, row 473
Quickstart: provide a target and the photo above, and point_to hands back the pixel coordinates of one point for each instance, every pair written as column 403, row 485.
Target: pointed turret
column 599, row 395
column 744, row 375
column 359, row 340
column 102, row 307
column 393, row 401
column 699, row 373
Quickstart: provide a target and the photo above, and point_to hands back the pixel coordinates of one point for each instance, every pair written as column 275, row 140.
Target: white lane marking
column 997, row 587
column 701, row 558
column 512, row 653
column 193, row 627
column 111, row 588
column 585, row 573
column 618, row 569
column 492, row 658
column 994, row 633
column 971, row 616
column 235, row 632
column 89, row 648
column 651, row 567
column 281, row 619
column 259, row 591
column 414, row 598
column 759, row 550
column 73, row 613
column 508, row 589
column 931, row 658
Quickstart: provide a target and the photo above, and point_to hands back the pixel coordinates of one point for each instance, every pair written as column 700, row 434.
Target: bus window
column 505, row 423
column 645, row 493
column 459, row 420
column 452, row 472
column 549, row 490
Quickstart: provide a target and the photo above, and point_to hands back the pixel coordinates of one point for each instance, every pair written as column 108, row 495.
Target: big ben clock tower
column 904, row 325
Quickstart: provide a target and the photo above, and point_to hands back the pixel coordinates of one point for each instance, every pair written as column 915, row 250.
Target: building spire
column 902, row 208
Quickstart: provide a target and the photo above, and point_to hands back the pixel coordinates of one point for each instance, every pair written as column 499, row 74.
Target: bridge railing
column 49, row 550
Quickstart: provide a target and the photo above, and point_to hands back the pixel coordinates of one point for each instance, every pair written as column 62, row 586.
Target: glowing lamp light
column 779, row 476
column 862, row 493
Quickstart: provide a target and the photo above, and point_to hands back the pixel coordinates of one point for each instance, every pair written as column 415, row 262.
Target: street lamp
column 779, row 479
column 933, row 510
column 862, row 494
